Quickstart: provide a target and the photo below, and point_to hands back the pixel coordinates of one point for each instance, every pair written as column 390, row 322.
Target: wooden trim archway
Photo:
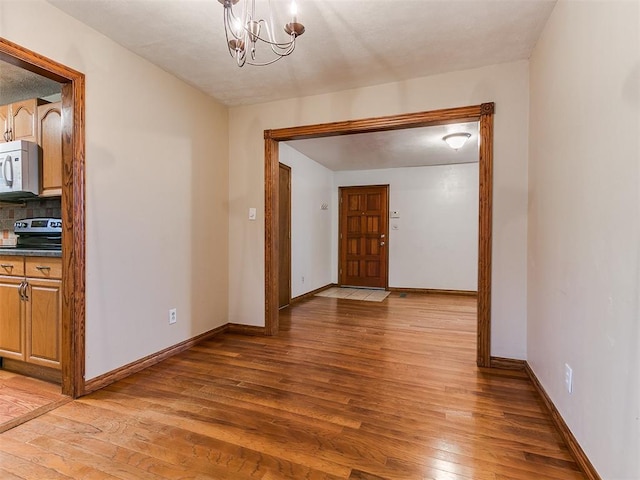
column 482, row 113
column 73, row 214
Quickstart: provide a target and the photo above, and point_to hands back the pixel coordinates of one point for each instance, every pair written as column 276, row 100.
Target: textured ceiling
column 17, row 84
column 347, row 44
column 411, row 147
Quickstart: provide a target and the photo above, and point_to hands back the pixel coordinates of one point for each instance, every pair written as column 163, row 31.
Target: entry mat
column 366, row 294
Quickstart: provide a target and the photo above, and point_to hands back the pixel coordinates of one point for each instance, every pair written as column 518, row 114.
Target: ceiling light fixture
column 456, row 140
column 245, row 31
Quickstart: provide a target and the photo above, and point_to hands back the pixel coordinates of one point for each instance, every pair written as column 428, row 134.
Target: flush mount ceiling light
column 244, row 32
column 456, row 140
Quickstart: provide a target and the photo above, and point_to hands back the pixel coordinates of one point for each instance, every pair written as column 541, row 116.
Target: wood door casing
column 284, row 236
column 364, row 214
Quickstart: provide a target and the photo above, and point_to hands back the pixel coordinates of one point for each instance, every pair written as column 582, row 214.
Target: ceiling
column 347, row 43
column 17, row 84
column 411, row 147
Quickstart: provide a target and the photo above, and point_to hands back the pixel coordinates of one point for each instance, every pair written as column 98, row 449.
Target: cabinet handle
column 42, row 267
column 6, row 135
column 26, row 286
column 7, row 266
column 21, row 290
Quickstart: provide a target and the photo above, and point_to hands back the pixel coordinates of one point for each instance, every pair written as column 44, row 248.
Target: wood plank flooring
column 348, row 390
column 23, row 398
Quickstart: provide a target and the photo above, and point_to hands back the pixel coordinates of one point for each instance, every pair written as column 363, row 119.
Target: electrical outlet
column 568, row 378
column 173, row 316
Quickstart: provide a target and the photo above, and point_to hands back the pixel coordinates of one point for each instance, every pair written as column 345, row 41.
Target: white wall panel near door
column 312, row 260
column 433, row 242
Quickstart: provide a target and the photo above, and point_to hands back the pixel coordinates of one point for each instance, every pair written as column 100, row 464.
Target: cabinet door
column 12, row 331
column 4, row 123
column 24, row 120
column 43, row 322
column 50, row 139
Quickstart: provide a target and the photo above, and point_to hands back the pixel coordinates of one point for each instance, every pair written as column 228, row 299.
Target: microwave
column 19, row 170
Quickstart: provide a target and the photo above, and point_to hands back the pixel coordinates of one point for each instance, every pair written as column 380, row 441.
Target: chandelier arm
column 244, row 34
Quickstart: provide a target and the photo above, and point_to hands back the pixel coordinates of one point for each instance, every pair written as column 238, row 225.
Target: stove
column 39, row 233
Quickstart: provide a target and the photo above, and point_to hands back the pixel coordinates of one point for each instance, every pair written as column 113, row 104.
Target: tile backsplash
column 9, row 213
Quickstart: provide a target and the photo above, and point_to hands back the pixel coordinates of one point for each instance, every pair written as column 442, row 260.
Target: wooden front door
column 284, row 237
column 364, row 213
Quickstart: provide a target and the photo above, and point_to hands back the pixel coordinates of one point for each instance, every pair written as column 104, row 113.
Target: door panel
column 11, row 319
column 364, row 213
column 284, row 222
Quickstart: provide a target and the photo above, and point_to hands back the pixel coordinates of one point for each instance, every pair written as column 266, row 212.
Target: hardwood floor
column 23, row 398
column 348, row 390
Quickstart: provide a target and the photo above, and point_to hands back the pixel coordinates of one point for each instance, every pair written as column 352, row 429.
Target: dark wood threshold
column 33, row 414
column 574, row 447
column 251, row 330
column 468, row 293
column 134, row 367
column 310, row 294
column 508, row 363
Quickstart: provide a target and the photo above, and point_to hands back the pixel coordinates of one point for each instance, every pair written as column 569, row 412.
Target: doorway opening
column 481, row 113
column 72, row 85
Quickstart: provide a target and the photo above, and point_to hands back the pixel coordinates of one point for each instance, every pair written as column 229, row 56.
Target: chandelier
column 245, row 32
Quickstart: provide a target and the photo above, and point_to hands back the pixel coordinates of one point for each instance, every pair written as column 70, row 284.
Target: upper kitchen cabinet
column 49, row 127
column 20, row 120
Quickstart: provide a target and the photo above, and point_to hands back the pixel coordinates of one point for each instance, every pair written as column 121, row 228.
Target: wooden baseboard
column 508, row 363
column 574, row 447
column 310, row 294
column 134, row 367
column 246, row 329
column 30, row 370
column 467, row 293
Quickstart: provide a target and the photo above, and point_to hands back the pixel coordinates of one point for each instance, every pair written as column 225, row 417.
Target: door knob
column 382, row 244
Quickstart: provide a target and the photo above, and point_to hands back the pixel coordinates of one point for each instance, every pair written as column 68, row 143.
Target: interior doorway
column 363, row 236
column 481, row 113
column 72, row 211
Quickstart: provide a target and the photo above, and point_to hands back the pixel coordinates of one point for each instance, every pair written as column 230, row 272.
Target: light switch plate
column 252, row 214
column 395, row 214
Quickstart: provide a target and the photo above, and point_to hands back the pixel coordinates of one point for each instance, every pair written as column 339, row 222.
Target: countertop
column 29, row 252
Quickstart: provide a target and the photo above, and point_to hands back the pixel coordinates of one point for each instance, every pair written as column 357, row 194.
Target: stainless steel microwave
column 19, row 170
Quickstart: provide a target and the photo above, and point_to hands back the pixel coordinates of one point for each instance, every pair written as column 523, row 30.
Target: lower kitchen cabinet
column 12, row 331
column 31, row 311
column 43, row 314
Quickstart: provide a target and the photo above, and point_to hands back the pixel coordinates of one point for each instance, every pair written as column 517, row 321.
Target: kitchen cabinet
column 19, row 120
column 31, row 309
column 49, row 128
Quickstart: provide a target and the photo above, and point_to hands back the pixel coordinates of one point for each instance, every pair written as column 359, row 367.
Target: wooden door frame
column 386, row 233
column 481, row 113
column 288, row 240
column 73, row 207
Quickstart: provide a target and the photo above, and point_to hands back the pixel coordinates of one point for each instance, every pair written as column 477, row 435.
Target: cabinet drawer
column 43, row 267
column 13, row 266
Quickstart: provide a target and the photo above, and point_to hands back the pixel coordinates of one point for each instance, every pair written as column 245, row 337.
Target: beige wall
column 507, row 85
column 584, row 226
column 157, row 191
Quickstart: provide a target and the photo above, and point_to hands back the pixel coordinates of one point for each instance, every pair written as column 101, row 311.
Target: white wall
column 505, row 84
column 157, row 191
column 584, row 226
column 435, row 244
column 311, row 255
